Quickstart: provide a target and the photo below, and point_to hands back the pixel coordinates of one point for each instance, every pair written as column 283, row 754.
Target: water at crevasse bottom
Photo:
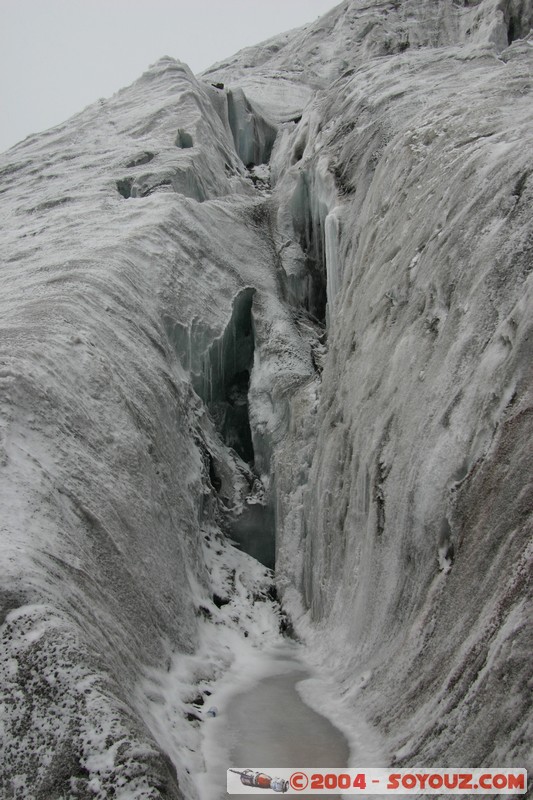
column 269, row 725
column 278, row 728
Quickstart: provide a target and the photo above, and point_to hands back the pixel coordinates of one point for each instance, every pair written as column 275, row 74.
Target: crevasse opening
column 223, row 383
column 309, row 215
column 224, row 380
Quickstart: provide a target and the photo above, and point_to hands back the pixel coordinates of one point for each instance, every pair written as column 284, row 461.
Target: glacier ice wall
column 352, row 319
column 111, row 248
column 404, row 530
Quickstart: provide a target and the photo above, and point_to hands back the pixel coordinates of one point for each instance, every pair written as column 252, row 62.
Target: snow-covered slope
column 190, row 336
column 106, row 450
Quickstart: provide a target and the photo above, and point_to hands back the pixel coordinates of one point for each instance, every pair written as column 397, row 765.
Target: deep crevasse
column 387, row 265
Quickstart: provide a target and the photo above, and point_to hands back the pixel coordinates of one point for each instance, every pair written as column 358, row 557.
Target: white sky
column 57, row 56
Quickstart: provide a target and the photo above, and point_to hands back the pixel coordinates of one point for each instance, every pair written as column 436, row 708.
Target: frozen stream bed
column 269, row 725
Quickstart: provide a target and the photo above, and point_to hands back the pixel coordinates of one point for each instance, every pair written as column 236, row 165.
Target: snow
column 371, row 283
column 419, row 387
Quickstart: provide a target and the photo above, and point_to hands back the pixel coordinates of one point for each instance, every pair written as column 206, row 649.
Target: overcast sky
column 57, row 56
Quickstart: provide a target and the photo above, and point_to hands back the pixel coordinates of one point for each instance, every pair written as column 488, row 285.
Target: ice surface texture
column 142, row 247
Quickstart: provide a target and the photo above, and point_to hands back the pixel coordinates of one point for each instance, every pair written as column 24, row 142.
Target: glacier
column 286, row 304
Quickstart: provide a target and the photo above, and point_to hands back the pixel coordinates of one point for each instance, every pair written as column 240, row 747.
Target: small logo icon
column 261, row 781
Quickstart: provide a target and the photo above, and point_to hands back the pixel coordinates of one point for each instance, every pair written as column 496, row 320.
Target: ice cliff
column 296, row 291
